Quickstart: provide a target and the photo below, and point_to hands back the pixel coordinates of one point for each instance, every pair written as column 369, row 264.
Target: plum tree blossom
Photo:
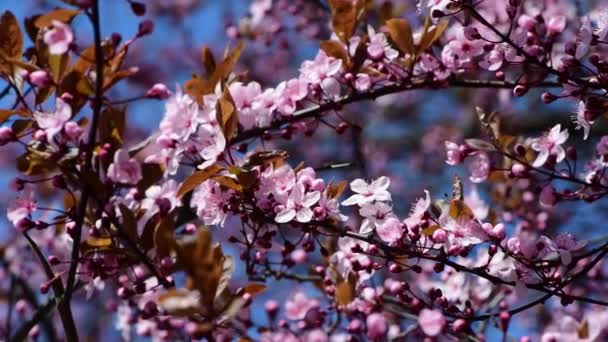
column 251, row 201
column 58, row 38
column 550, row 145
column 52, row 123
column 124, row 169
column 377, row 190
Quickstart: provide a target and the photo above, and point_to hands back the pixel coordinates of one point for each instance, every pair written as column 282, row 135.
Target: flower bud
column 520, row 90
column 45, row 287
column 6, row 135
column 471, row 33
column 158, row 91
column 547, row 97
column 138, row 8
column 548, row 196
column 40, row 78
column 72, row 130
column 146, row 27
column 272, row 307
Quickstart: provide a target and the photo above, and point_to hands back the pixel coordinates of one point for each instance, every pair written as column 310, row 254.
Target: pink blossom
column 156, row 193
column 390, row 230
column 329, row 207
column 124, row 169
column 58, row 38
column 580, row 119
column 298, row 205
column 563, row 246
column 317, row 335
column 278, row 336
column 52, row 123
column 363, row 82
column 376, row 325
column 431, row 322
column 366, row 193
column 299, row 304
column 419, row 210
column 244, row 96
column 210, row 143
column 264, row 104
column 320, row 68
column 602, row 23
column 556, row 25
column 180, row 120
column 479, row 167
column 307, row 177
column 374, row 214
column 378, row 46
column 466, row 49
column 454, row 153
column 550, row 144
column 72, row 130
column 210, row 201
column 476, row 204
column 585, row 36
column 277, row 182
column 493, row 60
column 22, row 207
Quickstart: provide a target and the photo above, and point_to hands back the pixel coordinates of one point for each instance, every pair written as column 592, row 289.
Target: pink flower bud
column 498, row 232
column 40, row 78
column 21, row 306
column 158, row 91
column 439, row 236
column 72, row 130
column 299, row 256
column 6, row 135
column 548, row 197
column 354, row 326
column 45, row 287
column 271, row 307
column 146, row 27
column 376, row 326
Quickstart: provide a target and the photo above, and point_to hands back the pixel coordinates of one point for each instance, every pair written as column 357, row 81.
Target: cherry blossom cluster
column 183, row 233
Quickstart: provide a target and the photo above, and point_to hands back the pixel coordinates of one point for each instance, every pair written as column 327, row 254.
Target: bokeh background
column 402, row 135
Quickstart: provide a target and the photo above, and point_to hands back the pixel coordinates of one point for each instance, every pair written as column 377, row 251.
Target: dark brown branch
column 97, row 104
column 319, row 110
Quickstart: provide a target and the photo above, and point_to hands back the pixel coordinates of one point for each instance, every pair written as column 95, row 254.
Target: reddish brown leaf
column 11, row 38
column 401, row 33
column 198, row 178
column 63, row 15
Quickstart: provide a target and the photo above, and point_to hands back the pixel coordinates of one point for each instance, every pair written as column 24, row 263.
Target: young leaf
column 129, row 222
column 164, row 238
column 63, row 15
column 226, row 115
column 227, row 65
column 335, row 49
column 460, row 211
column 263, row 157
column 208, row 60
column 343, row 18
column 5, row 114
column 197, row 87
column 335, row 190
column 345, row 290
column 228, row 182
column 11, row 38
column 198, row 178
column 400, row 32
